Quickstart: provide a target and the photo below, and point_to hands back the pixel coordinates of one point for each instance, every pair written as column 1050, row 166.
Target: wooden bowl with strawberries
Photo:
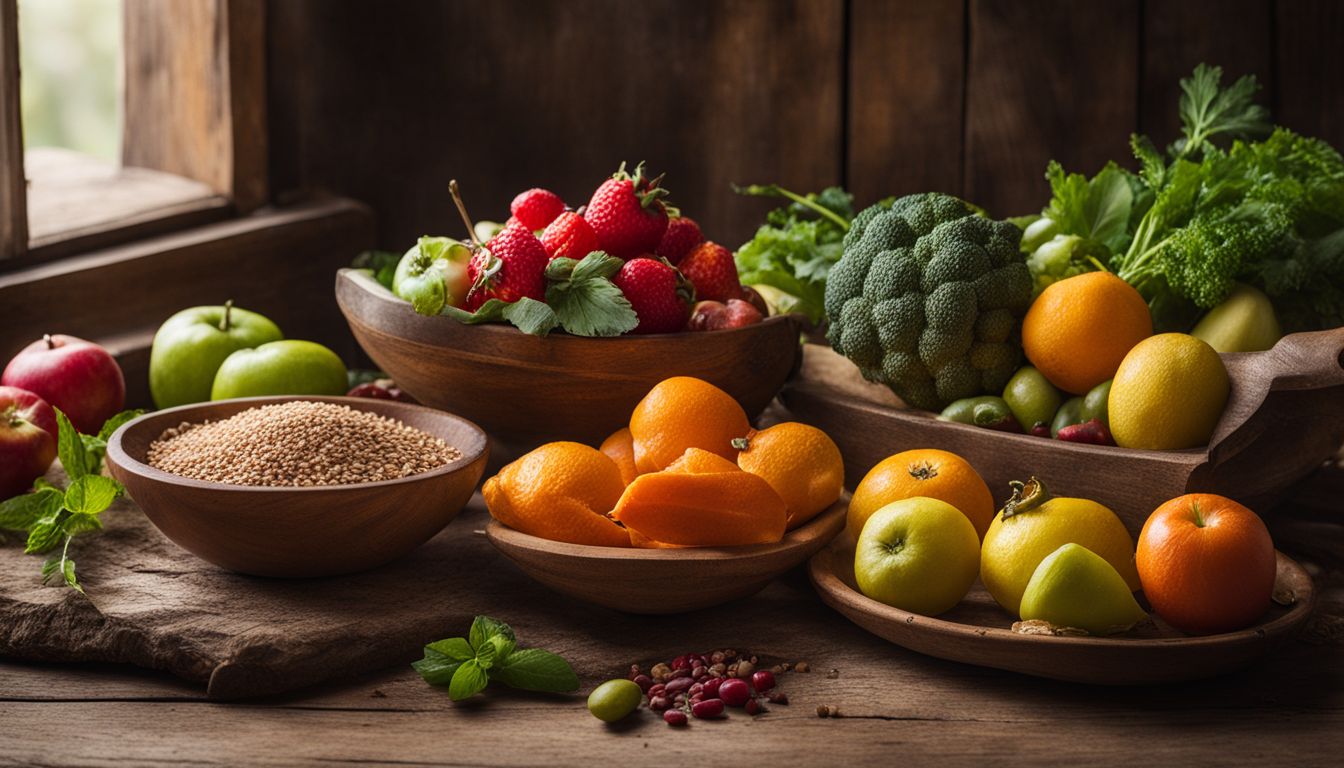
column 526, row 390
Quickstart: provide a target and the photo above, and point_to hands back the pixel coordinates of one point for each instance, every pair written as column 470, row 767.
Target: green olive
column 614, row 700
column 1070, row 413
column 1094, row 403
column 1032, row 398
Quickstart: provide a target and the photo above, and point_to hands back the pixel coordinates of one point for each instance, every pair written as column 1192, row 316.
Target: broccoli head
column 928, row 299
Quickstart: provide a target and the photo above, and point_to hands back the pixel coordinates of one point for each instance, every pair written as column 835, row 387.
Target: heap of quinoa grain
column 299, row 444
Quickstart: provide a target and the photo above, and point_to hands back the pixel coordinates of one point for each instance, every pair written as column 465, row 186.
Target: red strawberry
column 681, row 236
column 660, row 297
column 710, row 268
column 536, row 208
column 627, row 214
column 569, row 236
column 512, row 265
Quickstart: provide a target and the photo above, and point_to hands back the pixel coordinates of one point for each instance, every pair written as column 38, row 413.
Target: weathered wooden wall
column 385, row 101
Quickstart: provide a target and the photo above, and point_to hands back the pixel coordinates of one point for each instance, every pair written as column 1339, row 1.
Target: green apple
column 1075, row 587
column 191, row 345
column 432, row 274
column 287, row 367
column 919, row 554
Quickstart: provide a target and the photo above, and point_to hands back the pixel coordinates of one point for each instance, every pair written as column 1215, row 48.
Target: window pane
column 70, row 61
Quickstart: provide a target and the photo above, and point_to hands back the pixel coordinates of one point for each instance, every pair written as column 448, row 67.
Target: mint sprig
column 51, row 516
column 490, row 652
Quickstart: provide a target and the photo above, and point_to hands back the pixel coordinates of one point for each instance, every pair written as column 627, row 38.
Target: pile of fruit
column 923, row 527
column 689, row 471
column 624, row 263
column 1099, row 376
column 692, row 685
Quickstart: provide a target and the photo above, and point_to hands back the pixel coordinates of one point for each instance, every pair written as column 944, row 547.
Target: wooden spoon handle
column 1299, row 362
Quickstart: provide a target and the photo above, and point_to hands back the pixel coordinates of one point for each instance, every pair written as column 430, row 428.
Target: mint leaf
column 469, row 680
column 75, row 524
column 68, row 572
column 531, row 316
column 456, row 648
column 483, row 628
column 45, row 533
column 91, row 494
column 584, row 299
column 437, row 668
column 532, row 669
column 70, row 447
column 496, row 648
column 22, row 512
column 114, row 423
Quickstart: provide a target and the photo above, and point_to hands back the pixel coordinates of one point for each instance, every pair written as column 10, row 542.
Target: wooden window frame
column 195, row 107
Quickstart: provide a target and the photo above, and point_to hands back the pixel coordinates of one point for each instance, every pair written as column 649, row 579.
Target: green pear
column 1244, row 322
column 1075, row 587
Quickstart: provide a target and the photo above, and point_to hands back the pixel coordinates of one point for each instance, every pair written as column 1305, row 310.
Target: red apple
column 75, row 375
column 27, row 439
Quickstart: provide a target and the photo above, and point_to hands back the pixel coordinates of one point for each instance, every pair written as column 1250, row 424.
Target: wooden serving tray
column 1285, row 416
column 977, row 631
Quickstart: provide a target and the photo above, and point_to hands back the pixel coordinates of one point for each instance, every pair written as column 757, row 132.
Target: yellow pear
column 1075, row 587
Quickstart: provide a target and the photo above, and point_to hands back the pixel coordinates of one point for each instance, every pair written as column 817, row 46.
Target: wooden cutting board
column 152, row 604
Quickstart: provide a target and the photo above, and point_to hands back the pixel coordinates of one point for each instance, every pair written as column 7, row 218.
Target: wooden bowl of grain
column 528, row 390
column 361, row 516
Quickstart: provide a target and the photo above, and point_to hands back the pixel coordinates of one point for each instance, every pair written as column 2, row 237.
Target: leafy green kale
column 794, row 250
column 1208, row 110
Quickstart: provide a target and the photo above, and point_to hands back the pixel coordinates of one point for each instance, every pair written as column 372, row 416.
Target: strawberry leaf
column 529, row 315
column 585, row 301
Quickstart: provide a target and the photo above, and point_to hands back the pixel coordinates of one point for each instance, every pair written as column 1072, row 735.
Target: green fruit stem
column 228, row 312
column 1026, row 497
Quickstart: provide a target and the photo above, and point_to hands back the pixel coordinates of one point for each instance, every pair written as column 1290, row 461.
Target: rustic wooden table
column 894, row 705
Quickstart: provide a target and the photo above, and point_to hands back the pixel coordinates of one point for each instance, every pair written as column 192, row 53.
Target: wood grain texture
column 13, row 194
column 1310, row 68
column 507, row 95
column 299, row 532
column 1041, row 85
column 906, row 70
column 203, row 64
column 1234, row 34
column 636, row 580
column 978, row 631
column 531, row 389
column 1285, row 710
column 1284, row 418
column 278, row 263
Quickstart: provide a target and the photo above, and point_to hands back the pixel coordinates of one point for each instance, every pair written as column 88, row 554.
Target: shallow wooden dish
column 299, row 532
column 656, row 581
column 528, row 390
column 979, row 632
column 1285, row 416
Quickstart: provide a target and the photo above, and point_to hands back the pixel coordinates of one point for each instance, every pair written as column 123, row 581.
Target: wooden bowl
column 977, row 631
column 1285, row 416
column 299, row 532
column 529, row 389
column 655, row 581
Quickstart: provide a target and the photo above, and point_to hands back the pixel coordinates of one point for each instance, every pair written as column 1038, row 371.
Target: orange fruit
column 562, row 492
column 922, row 472
column 701, row 500
column 621, row 448
column 1080, row 328
column 684, row 412
column 1206, row 563
column 800, row 462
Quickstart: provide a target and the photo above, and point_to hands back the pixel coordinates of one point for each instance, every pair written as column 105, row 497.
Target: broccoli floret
column 928, row 299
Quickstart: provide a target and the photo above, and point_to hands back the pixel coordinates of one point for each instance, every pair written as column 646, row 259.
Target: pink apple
column 75, row 375
column 27, row 439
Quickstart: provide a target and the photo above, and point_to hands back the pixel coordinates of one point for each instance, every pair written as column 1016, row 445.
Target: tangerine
column 684, row 412
column 562, row 492
column 800, row 462
column 927, row 472
column 1080, row 328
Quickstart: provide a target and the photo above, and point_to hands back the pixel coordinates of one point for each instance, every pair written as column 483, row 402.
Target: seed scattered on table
column 299, row 443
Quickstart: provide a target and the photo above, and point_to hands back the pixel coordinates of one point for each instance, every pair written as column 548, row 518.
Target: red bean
column 708, row 708
column 734, row 692
column 763, row 681
column 675, row 717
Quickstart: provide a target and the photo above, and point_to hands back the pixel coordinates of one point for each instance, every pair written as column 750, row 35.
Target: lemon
column 1032, row 525
column 1169, row 393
